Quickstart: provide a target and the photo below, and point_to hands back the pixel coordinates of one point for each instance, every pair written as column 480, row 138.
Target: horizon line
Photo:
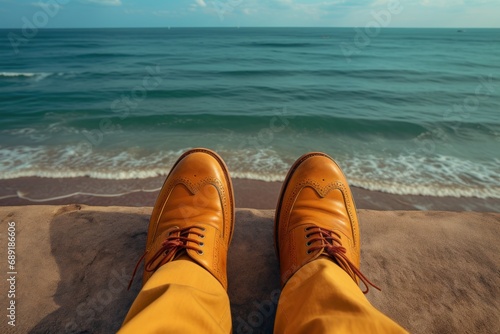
column 252, row 27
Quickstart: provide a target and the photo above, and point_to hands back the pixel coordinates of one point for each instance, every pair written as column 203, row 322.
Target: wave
column 93, row 55
column 405, row 174
column 237, row 124
column 25, row 75
column 300, row 124
column 15, row 74
column 439, row 175
column 282, row 45
column 278, row 121
column 402, row 75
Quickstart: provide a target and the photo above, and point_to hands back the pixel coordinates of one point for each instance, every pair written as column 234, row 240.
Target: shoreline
column 248, row 194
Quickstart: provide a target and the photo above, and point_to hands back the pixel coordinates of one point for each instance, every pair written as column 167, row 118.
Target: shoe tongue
column 182, row 255
column 326, row 256
column 312, row 222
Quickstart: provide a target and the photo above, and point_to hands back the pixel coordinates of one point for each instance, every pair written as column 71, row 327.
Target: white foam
column 16, row 74
column 80, row 160
column 260, row 177
column 36, row 76
column 438, row 175
column 19, row 132
column 431, row 176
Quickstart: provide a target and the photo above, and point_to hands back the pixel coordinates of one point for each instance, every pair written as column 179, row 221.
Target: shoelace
column 176, row 241
column 332, row 245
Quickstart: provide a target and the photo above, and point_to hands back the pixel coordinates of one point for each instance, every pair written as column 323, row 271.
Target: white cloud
column 201, row 3
column 425, row 13
column 314, row 10
column 106, row 2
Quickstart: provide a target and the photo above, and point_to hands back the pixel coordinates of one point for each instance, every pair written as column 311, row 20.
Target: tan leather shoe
column 316, row 217
column 193, row 215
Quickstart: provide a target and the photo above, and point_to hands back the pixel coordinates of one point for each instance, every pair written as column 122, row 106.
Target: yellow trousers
column 182, row 297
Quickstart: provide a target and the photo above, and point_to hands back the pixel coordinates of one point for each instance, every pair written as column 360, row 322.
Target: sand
column 439, row 271
column 248, row 194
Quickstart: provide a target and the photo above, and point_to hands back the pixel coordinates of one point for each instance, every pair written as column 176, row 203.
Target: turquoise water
column 409, row 111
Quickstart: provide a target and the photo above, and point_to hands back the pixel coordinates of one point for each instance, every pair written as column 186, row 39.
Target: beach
column 417, row 248
column 248, row 194
column 90, row 232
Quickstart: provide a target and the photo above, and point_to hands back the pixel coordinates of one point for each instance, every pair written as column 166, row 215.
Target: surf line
column 39, row 200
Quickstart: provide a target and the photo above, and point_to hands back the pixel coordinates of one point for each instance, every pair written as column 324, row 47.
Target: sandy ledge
column 439, row 271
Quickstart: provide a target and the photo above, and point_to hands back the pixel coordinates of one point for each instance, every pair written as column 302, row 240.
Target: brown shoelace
column 176, row 241
column 332, row 246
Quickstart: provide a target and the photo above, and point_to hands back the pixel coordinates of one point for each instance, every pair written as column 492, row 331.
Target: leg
column 180, row 297
column 191, row 226
column 318, row 245
column 322, row 298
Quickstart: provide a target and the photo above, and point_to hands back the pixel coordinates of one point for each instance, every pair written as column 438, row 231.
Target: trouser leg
column 180, row 297
column 322, row 298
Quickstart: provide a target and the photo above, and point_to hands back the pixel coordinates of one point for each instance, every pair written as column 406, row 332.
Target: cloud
column 315, row 10
column 201, row 3
column 106, row 2
column 197, row 3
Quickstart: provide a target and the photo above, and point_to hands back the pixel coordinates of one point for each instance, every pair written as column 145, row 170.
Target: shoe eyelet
column 200, row 252
column 201, row 244
column 308, row 244
column 202, row 236
column 203, row 229
column 307, row 228
column 308, row 251
column 307, row 236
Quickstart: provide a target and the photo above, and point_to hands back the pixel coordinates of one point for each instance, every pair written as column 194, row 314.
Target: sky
column 252, row 13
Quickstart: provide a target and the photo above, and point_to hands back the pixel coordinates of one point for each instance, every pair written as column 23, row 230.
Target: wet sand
column 248, row 193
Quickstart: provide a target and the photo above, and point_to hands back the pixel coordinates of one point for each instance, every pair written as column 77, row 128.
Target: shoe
column 316, row 218
column 193, row 217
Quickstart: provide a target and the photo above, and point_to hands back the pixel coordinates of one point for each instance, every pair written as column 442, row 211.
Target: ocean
column 404, row 111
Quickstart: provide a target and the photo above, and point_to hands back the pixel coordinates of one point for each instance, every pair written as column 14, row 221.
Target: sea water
column 409, row 111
